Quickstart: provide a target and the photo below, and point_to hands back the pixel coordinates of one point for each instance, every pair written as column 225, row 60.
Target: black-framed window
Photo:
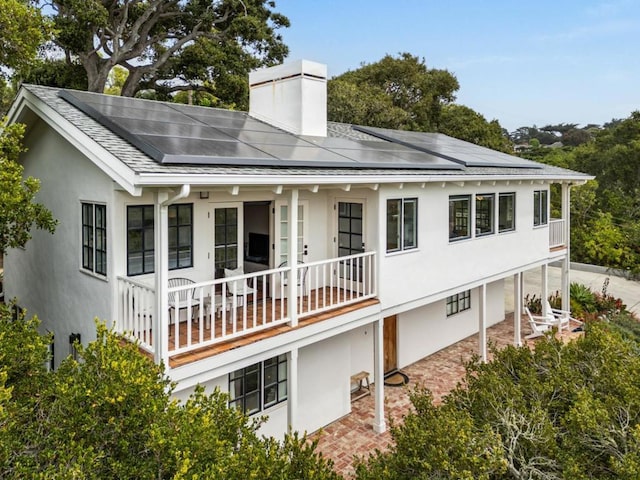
column 94, row 237
column 458, row 302
column 180, row 236
column 507, row 212
column 540, row 207
column 226, row 240
column 259, row 386
column 141, row 243
column 402, row 224
column 459, row 217
column 485, row 208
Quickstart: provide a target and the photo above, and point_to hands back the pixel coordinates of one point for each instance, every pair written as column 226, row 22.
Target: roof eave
column 102, row 158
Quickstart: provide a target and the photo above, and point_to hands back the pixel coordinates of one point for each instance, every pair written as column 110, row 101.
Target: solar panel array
column 459, row 151
column 173, row 133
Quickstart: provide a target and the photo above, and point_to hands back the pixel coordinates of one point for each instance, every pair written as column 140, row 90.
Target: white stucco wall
column 438, row 265
column 46, row 277
column 361, row 342
column 426, row 330
column 323, row 383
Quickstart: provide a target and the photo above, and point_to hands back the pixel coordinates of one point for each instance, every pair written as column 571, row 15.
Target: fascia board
column 157, row 180
column 102, row 158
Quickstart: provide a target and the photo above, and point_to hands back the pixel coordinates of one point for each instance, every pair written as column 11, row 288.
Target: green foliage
column 363, row 105
column 466, row 124
column 414, row 93
column 434, row 443
column 19, row 213
column 110, row 415
column 169, row 46
column 22, row 31
column 56, row 73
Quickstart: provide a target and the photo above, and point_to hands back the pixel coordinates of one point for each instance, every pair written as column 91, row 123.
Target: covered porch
column 206, row 315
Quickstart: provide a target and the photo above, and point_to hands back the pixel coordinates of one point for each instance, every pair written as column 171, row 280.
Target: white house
column 399, row 242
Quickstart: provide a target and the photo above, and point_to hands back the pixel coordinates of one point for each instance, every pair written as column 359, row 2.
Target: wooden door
column 390, row 343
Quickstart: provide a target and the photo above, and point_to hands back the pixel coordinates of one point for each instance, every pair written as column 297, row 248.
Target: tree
column 363, row 105
column 166, row 45
column 555, row 411
column 466, row 124
column 408, row 86
column 109, row 414
column 22, row 31
column 19, row 213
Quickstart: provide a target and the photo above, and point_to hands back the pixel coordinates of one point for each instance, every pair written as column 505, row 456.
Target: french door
column 350, row 238
column 227, row 247
column 281, row 226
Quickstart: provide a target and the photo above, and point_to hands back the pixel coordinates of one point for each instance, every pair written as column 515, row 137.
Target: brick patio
column 353, row 435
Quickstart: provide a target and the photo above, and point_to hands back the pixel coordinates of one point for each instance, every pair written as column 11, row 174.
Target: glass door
column 351, row 237
column 282, row 232
column 227, row 250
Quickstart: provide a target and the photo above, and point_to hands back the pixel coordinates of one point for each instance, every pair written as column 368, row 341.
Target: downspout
column 185, row 190
column 161, row 334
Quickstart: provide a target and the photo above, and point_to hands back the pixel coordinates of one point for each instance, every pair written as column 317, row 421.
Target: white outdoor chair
column 183, row 298
column 539, row 324
column 563, row 317
column 238, row 289
column 302, row 277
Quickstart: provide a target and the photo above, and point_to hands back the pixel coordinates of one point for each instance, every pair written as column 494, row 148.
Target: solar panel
column 183, row 134
column 449, row 148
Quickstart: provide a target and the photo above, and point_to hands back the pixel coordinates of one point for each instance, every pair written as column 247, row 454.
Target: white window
column 94, row 238
column 459, row 217
column 485, row 208
column 402, row 224
column 259, row 386
column 540, row 207
column 458, row 302
column 507, row 212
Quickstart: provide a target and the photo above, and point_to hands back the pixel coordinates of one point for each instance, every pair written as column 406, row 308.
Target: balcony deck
column 196, row 354
column 221, row 314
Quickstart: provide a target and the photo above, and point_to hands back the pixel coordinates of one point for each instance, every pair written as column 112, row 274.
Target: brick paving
column 353, row 435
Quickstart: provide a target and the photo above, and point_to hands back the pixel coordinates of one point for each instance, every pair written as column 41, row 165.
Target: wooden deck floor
column 256, row 314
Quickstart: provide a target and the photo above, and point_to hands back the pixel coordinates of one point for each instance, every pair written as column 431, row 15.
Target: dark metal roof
column 141, row 163
column 173, row 133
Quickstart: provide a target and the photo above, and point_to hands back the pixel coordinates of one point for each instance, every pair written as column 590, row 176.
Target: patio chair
column 563, row 317
column 302, row 277
column 539, row 324
column 238, row 289
column 182, row 298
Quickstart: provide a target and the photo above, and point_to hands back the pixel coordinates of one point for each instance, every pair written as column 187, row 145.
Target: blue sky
column 522, row 63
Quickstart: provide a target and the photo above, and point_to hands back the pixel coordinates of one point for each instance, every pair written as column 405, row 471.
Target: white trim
column 102, row 158
column 253, row 179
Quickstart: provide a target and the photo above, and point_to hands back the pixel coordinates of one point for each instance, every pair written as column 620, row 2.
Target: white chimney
column 292, row 96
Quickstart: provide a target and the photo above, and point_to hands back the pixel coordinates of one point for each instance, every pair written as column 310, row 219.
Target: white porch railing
column 215, row 311
column 137, row 305
column 556, row 233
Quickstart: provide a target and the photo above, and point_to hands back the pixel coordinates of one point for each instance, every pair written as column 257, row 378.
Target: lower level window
column 259, row 386
column 458, row 302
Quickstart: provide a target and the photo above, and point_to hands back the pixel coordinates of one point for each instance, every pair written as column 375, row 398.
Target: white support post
column 292, row 389
column 566, row 265
column 544, row 287
column 482, row 322
column 379, row 425
column 292, row 258
column 161, row 265
column 517, row 309
column 565, row 279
